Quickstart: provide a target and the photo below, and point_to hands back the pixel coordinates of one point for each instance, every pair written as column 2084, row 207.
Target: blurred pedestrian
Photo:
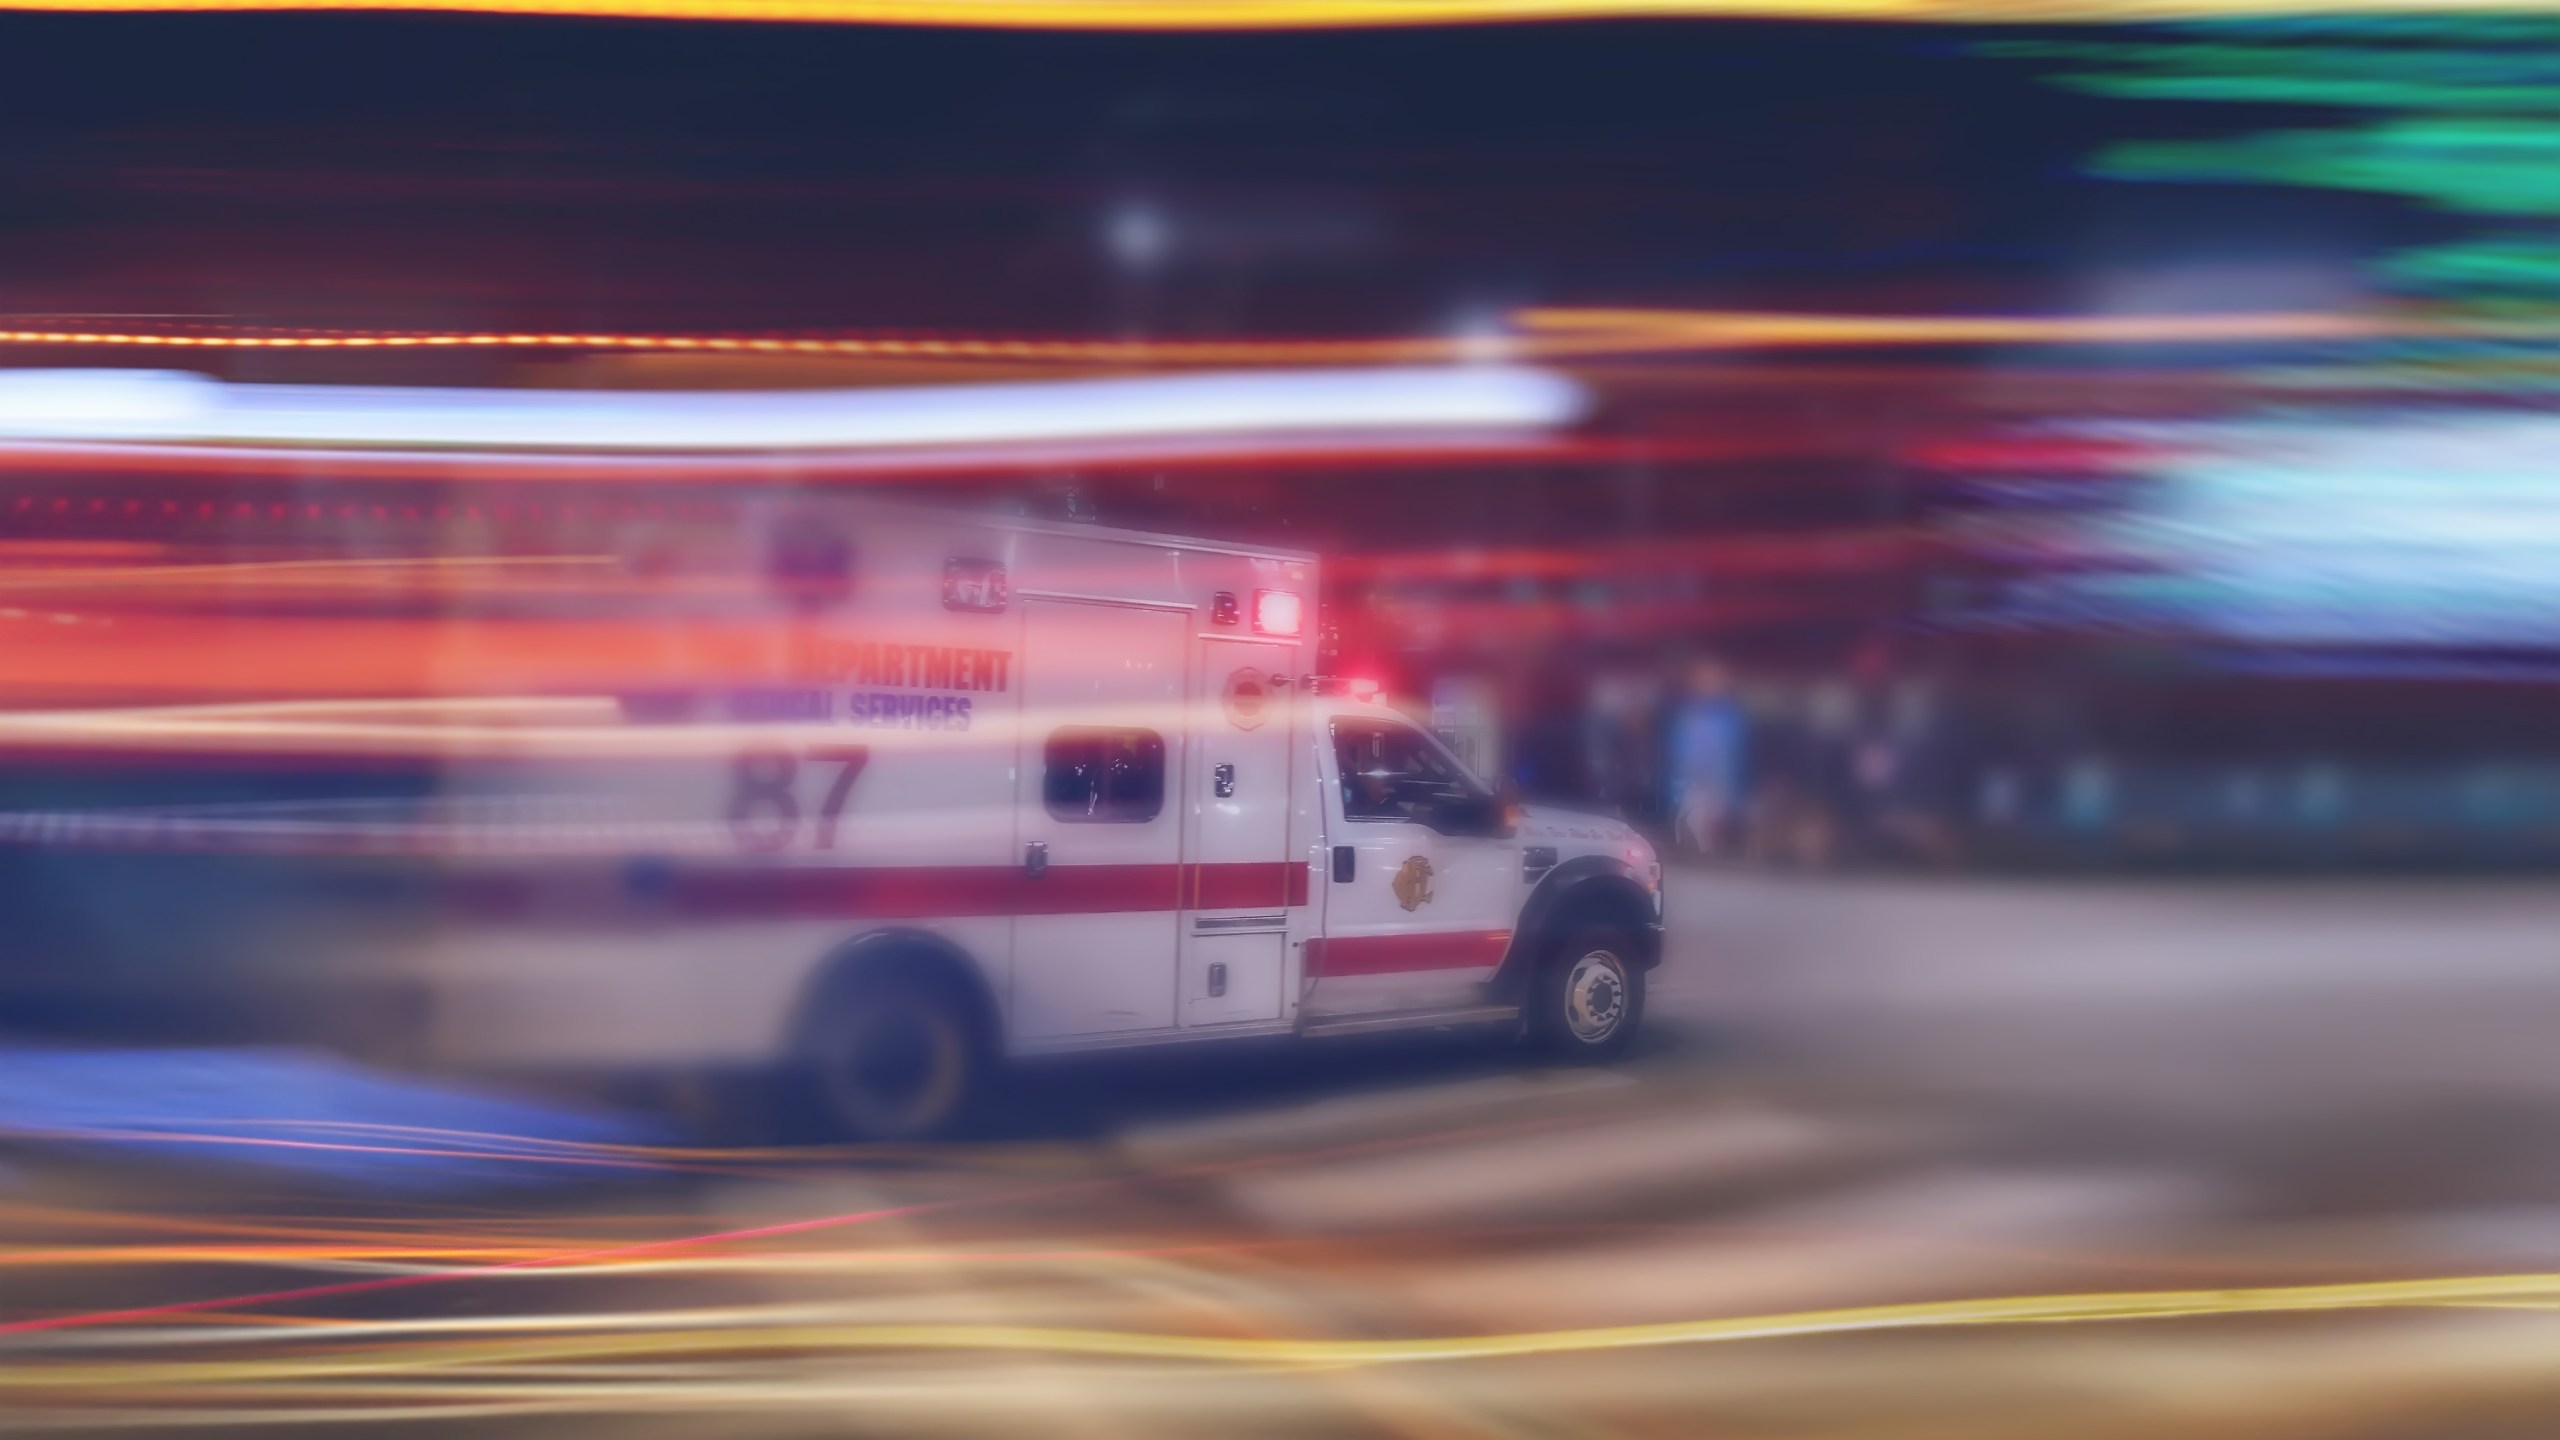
column 1706, row 743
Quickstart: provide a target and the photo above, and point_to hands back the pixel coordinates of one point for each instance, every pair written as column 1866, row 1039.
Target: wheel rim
column 1595, row 997
column 896, row 1071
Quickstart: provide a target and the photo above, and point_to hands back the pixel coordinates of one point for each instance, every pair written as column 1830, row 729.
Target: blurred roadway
column 1856, row 1093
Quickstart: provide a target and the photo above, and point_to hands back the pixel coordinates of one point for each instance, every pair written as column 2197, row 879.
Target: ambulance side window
column 1098, row 775
column 1392, row 772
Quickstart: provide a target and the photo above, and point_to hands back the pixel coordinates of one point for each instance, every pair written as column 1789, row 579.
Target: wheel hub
column 1595, row 996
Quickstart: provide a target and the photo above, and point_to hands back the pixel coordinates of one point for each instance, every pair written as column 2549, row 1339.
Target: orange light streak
column 697, row 1242
column 1562, row 331
column 1356, row 350
column 280, row 657
column 1539, row 333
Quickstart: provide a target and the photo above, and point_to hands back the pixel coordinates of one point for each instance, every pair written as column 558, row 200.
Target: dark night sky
column 454, row 171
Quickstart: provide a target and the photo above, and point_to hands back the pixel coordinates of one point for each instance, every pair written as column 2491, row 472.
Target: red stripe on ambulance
column 899, row 892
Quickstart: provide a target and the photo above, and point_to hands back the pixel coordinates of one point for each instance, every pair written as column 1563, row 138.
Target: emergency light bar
column 1357, row 687
column 177, row 406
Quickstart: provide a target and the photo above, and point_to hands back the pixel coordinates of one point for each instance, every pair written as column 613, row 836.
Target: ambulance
column 882, row 798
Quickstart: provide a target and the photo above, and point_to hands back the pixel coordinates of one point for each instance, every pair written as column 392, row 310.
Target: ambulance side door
column 1419, row 882
column 1241, row 884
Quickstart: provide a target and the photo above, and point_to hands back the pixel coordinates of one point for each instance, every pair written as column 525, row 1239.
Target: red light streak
column 91, row 1318
column 1722, row 556
column 2039, row 455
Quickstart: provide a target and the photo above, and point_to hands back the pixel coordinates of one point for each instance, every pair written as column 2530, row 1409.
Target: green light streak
column 2459, row 114
column 2465, row 164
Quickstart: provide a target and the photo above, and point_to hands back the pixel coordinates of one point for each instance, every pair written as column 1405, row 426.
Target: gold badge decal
column 1413, row 883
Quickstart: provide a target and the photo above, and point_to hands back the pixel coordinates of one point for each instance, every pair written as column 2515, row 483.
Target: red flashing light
column 1276, row 612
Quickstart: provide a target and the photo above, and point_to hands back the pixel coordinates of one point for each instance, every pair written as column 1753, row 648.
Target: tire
column 897, row 1055
column 1588, row 998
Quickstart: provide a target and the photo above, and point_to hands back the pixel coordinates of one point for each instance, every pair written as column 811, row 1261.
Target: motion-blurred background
column 2054, row 543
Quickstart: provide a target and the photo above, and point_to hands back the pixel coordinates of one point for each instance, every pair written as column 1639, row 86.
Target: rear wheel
column 1589, row 997
column 895, row 1056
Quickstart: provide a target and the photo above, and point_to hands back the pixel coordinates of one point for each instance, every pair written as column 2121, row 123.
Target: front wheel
column 897, row 1057
column 1589, row 997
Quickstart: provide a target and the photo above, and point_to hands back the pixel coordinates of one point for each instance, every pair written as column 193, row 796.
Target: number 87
column 764, row 808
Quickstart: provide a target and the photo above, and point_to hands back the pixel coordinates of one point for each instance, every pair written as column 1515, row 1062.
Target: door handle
column 1345, row 859
column 1035, row 859
column 1223, row 780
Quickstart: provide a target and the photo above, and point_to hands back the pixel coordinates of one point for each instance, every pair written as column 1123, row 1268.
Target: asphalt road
column 1897, row 1157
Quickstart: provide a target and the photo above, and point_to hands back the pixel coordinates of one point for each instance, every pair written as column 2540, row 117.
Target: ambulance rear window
column 1104, row 776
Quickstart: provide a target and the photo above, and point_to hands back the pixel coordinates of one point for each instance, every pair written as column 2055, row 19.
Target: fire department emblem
column 1247, row 697
column 1413, row 883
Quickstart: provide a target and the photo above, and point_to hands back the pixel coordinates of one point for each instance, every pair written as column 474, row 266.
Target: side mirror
column 1493, row 817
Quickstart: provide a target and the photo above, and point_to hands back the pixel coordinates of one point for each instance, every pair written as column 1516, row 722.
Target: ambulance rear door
column 1100, row 806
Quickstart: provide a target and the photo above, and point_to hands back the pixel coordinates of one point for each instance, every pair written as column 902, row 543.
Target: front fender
column 1586, row 890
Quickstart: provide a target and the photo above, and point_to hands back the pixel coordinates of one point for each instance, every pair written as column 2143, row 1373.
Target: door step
column 1410, row 1019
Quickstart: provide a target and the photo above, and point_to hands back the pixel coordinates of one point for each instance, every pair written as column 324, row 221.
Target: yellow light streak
column 1542, row 333
column 1232, row 15
column 1595, row 331
column 743, row 1332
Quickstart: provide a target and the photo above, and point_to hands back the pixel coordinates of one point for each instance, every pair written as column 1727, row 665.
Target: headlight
column 1641, row 859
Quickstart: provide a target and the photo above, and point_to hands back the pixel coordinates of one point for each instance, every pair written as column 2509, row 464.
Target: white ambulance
column 894, row 794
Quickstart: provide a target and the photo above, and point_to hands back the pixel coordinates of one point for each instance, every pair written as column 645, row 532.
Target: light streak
column 81, row 1320
column 1261, row 452
column 148, row 405
column 419, row 1258
column 1536, row 333
column 340, row 1289
column 1556, row 331
column 627, row 1337
column 1321, row 14
column 1765, row 554
column 184, row 1138
column 369, row 580
column 436, row 729
column 422, row 727
column 1014, row 349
